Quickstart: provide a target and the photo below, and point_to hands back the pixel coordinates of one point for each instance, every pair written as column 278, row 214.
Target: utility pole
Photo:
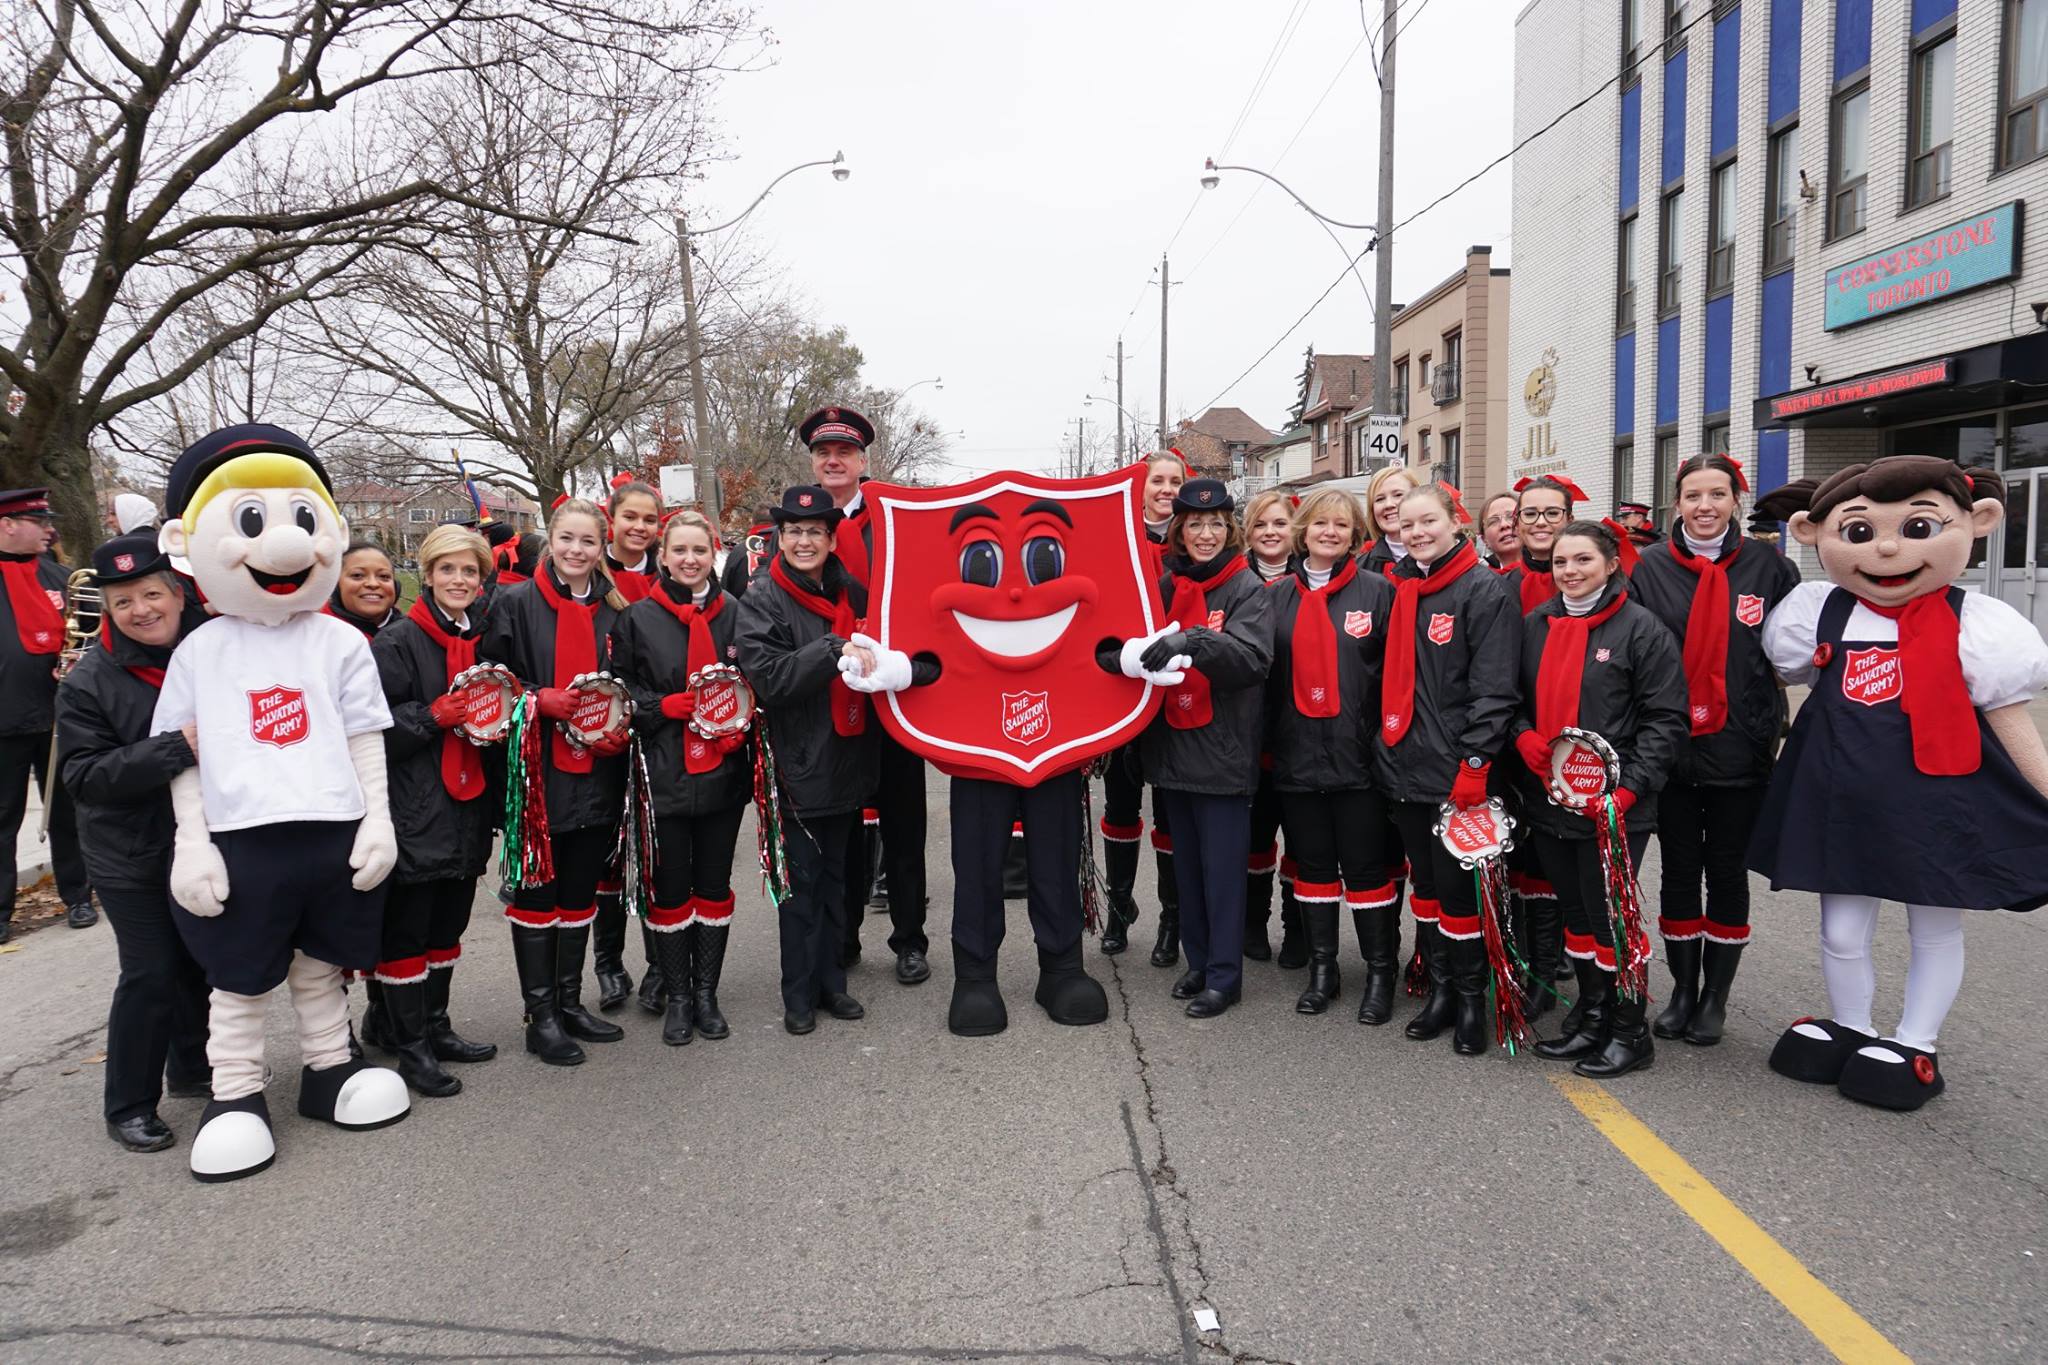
column 707, row 475
column 1383, row 263
column 1119, row 400
column 1164, row 285
column 1080, row 469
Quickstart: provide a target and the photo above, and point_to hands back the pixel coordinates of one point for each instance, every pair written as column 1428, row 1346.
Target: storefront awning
column 1991, row 376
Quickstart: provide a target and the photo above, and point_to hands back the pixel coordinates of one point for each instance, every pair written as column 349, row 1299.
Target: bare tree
column 155, row 156
column 774, row 376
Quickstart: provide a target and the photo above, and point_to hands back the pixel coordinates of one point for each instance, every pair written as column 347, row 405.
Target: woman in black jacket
column 700, row 786
column 366, row 596
column 1713, row 587
column 549, row 631
column 446, row 797
column 1201, row 752
column 1593, row 659
column 120, row 775
column 1447, row 693
column 1323, row 701
column 1270, row 553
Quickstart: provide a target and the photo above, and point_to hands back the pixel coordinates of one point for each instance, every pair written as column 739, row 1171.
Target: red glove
column 612, row 745
column 1624, row 800
column 556, row 703
column 447, row 710
column 1535, row 753
column 1470, row 788
column 732, row 743
column 679, row 705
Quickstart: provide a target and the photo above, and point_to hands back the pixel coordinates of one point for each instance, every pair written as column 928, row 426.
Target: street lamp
column 1136, row 425
column 707, row 480
column 921, row 383
column 1211, row 176
column 881, row 435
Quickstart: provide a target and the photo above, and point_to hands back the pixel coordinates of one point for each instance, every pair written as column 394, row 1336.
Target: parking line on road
column 1837, row 1326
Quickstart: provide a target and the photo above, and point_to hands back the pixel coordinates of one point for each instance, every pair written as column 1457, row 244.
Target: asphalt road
column 881, row 1191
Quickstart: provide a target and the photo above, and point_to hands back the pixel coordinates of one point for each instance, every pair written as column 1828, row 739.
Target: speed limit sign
column 1383, row 439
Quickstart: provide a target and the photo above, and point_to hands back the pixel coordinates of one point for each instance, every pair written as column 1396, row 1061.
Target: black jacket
column 738, row 573
column 28, row 682
column 791, row 658
column 364, row 624
column 439, row 838
column 1634, row 699
column 1314, row 753
column 650, row 653
column 520, row 634
column 1465, row 688
column 1379, row 558
column 119, row 775
column 1741, row 753
column 1222, row 757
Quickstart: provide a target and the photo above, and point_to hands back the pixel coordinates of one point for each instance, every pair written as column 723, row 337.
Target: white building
column 1795, row 230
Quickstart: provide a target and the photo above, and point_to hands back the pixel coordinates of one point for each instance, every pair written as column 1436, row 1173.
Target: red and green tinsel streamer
column 768, row 812
column 1510, row 1010
column 633, row 856
column 1092, row 892
column 528, row 857
column 1624, row 904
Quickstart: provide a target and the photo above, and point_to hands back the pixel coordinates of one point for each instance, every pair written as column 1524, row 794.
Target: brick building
column 1220, row 441
column 398, row 518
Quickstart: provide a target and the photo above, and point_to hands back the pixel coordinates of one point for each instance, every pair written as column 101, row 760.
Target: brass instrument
column 84, row 609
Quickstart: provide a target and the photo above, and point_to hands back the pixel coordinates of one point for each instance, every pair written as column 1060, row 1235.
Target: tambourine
column 487, row 692
column 1476, row 833
column 603, row 709
column 725, row 703
column 1583, row 768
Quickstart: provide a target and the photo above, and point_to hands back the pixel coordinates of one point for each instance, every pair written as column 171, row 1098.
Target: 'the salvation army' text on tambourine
column 725, row 703
column 1583, row 768
column 603, row 709
column 487, row 692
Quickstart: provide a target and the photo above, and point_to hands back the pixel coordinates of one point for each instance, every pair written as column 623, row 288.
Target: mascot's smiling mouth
column 1898, row 580
column 1016, row 639
column 280, row 584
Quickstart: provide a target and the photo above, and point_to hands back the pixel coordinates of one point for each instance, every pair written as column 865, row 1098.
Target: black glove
column 1161, row 651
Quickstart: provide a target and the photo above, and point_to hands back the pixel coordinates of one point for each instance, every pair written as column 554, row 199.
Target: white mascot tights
column 1934, row 974
column 234, row 1035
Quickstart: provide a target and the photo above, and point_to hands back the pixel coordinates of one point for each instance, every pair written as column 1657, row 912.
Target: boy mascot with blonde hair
column 284, row 833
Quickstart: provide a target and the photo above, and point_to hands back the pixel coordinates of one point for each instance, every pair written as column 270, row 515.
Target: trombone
column 84, row 608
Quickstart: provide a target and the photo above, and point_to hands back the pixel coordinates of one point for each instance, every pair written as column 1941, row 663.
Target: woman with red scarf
column 1329, row 633
column 700, row 786
column 1447, row 693
column 633, row 518
column 1201, row 752
column 367, row 594
column 446, row 800
column 550, row 631
column 1594, row 660
column 1713, row 587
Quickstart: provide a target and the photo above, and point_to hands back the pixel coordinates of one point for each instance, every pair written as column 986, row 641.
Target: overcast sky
column 1018, row 167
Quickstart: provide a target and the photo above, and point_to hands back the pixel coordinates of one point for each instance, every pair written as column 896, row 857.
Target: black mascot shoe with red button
column 1892, row 1076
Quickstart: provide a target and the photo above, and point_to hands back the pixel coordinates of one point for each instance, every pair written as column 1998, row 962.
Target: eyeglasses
column 1534, row 515
column 800, row 531
column 1494, row 523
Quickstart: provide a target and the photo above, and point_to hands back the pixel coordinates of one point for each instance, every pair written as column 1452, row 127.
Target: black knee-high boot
column 533, row 954
column 707, row 960
column 1440, row 1005
column 448, row 1045
column 1120, row 878
column 608, row 951
column 577, row 1021
column 1258, row 909
column 1683, row 956
column 1587, row 1022
column 1166, row 948
column 1294, row 949
column 1382, row 926
column 1545, row 919
column 376, row 1032
column 1710, row 1017
column 1469, row 978
column 678, row 1019
column 405, row 1015
column 1628, row 1046
column 1324, row 982
column 653, row 989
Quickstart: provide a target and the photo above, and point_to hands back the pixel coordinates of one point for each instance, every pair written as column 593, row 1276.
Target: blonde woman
column 1383, row 495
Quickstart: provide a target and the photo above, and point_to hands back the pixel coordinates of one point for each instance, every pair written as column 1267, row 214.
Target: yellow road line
column 1837, row 1326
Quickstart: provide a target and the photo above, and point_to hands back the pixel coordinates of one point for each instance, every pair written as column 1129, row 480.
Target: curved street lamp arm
column 1358, row 227
column 837, row 158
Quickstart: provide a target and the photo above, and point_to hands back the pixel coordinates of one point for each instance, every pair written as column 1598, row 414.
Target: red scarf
column 632, row 584
column 462, row 763
column 153, row 676
column 1314, row 661
column 575, row 655
column 1564, row 667
column 1397, row 688
column 699, row 755
column 1187, row 702
column 1706, row 639
column 1535, row 587
column 851, row 548
column 849, row 708
column 38, row 621
column 1936, row 700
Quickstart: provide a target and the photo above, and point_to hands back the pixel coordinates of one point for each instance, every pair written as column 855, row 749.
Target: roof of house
column 1336, row 380
column 1230, row 425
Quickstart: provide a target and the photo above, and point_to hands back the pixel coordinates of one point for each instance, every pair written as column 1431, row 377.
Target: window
column 1400, row 393
column 1670, row 252
column 2023, row 77
column 1851, row 169
column 1781, row 195
column 1714, row 440
column 1662, row 472
column 1449, row 382
column 1422, row 371
column 1625, row 290
column 418, row 514
column 1674, row 19
column 1624, row 471
column 1422, row 445
column 1933, row 119
column 1454, row 447
column 1632, row 30
column 1721, row 230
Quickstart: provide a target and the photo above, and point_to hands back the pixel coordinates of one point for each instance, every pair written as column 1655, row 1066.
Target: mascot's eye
column 303, row 518
column 1044, row 559
column 249, row 519
column 1859, row 532
column 1921, row 528
column 981, row 563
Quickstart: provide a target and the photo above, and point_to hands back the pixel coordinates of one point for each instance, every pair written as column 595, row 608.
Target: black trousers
column 1573, row 866
column 1441, row 886
column 423, row 924
column 1337, row 836
column 1703, row 833
column 1268, row 816
column 158, row 1017
column 693, row 856
column 21, row 755
column 570, row 899
column 1212, row 837
column 1123, row 796
column 899, row 804
column 982, row 814
column 810, row 915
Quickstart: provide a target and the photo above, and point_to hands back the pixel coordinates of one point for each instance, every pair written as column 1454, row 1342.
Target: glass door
column 2023, row 555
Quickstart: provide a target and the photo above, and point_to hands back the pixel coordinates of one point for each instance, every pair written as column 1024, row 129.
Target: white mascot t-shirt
column 266, row 700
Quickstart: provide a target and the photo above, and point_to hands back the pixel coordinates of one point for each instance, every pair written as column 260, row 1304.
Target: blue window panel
column 1774, row 344
column 1927, row 13
column 1631, row 144
column 1720, row 345
column 1773, row 460
column 1852, row 37
column 1625, row 384
column 1667, row 372
column 1727, row 74
column 1674, row 119
column 1784, row 73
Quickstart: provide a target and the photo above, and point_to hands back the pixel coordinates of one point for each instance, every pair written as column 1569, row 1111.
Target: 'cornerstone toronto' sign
column 1981, row 249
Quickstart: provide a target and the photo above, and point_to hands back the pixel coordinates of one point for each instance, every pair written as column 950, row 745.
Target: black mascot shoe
column 1189, row 986
column 840, row 1005
column 143, row 1133
column 1905, row 1084
column 353, row 1095
column 1209, row 1003
column 234, row 1139
column 977, row 1010
column 1817, row 1060
column 1065, row 992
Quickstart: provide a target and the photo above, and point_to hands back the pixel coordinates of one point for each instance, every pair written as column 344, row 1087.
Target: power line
column 1349, row 266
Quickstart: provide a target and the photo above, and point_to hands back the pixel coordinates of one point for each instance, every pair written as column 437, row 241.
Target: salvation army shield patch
column 277, row 716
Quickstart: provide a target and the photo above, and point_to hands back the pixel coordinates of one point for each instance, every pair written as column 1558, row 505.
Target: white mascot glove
column 1166, row 677
column 892, row 668
column 199, row 875
column 376, row 847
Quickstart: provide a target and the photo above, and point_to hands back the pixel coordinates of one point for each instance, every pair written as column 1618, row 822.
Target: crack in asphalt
column 63, row 1048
